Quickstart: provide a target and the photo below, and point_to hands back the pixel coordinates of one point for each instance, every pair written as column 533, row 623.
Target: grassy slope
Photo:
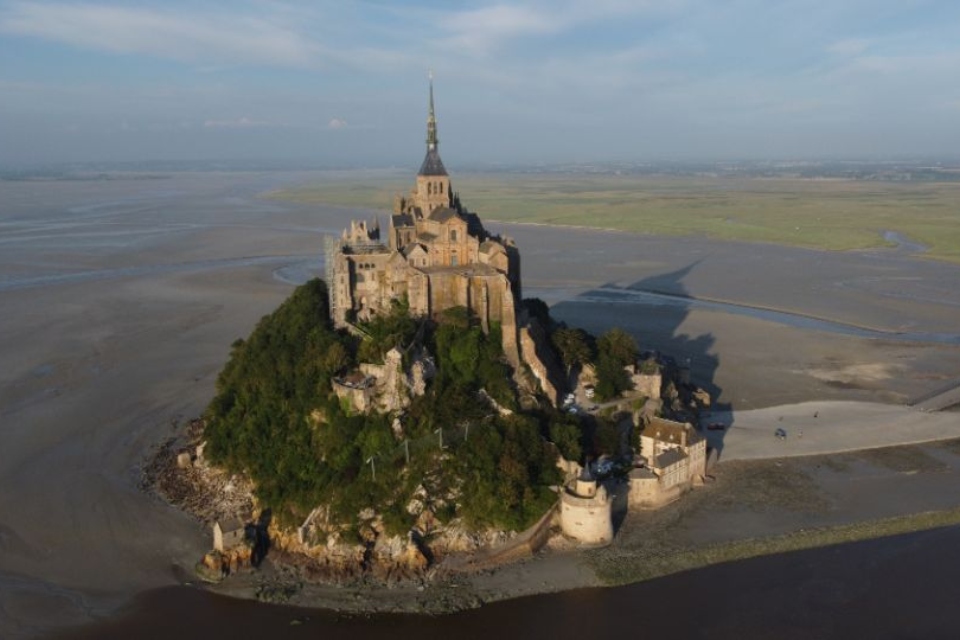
column 825, row 214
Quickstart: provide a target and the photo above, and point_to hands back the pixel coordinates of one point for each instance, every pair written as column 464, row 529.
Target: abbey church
column 436, row 255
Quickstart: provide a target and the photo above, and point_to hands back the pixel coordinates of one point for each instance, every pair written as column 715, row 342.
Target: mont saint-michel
column 415, row 419
column 816, row 299
column 655, row 321
column 416, row 423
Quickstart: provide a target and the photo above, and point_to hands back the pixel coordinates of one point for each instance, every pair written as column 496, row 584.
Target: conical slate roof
column 432, row 164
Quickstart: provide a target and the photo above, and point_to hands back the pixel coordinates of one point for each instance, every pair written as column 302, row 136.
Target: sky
column 344, row 83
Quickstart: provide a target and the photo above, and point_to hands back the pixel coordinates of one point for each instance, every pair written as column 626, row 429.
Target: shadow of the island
column 656, row 321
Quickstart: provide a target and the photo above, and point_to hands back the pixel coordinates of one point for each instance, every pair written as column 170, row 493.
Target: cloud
column 848, row 47
column 165, row 34
column 481, row 30
column 337, row 123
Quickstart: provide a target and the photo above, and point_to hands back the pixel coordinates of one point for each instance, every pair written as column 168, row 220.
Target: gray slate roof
column 432, row 165
column 443, row 214
column 402, row 220
column 668, row 458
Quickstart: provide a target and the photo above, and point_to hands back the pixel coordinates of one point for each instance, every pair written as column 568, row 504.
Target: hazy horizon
column 517, row 84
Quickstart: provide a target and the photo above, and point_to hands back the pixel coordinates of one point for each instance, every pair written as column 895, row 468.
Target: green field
column 835, row 214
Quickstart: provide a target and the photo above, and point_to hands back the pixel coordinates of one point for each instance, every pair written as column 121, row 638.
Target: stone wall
column 647, row 491
column 647, row 385
column 698, row 461
column 536, row 352
column 391, row 388
column 508, row 324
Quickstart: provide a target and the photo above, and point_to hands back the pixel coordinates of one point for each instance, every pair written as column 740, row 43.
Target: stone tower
column 433, row 183
column 434, row 257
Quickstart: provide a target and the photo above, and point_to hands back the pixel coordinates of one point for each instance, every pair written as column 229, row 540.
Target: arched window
column 441, row 188
column 429, row 188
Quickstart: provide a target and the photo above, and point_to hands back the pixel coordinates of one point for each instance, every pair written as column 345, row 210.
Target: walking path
column 825, row 427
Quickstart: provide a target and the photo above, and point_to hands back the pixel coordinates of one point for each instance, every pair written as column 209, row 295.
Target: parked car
column 781, row 433
column 589, row 391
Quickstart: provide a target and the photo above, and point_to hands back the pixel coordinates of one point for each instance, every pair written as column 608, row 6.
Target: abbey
column 436, row 255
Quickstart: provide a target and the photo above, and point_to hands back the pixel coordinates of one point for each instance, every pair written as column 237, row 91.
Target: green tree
column 619, row 345
column 507, row 470
column 384, row 332
column 612, row 378
column 606, row 438
column 335, row 359
column 565, row 432
column 259, row 419
column 574, row 346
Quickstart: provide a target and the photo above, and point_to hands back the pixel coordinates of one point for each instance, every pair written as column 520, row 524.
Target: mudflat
column 120, row 299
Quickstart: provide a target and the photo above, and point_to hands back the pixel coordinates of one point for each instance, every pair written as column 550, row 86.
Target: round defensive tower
column 585, row 511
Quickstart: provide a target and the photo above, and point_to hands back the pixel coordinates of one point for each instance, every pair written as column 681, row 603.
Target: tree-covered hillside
column 276, row 418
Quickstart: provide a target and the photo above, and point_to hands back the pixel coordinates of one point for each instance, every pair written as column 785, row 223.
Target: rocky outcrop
column 217, row 565
column 199, row 488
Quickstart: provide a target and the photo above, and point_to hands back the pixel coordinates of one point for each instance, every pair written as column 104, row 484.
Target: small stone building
column 675, row 457
column 230, row 533
column 586, row 511
column 646, row 382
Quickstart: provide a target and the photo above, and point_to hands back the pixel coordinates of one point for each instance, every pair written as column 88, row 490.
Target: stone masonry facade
column 434, row 255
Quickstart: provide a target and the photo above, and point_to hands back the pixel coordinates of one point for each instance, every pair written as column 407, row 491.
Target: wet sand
column 120, row 300
column 848, row 591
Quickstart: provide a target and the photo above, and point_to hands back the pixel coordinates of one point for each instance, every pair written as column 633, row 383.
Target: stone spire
column 431, row 122
column 432, row 165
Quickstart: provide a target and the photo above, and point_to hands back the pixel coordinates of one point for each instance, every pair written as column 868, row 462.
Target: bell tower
column 433, row 183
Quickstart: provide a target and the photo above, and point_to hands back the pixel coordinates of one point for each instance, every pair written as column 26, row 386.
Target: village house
column 674, row 459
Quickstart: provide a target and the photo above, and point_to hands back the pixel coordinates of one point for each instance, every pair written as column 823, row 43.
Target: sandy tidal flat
column 120, row 300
